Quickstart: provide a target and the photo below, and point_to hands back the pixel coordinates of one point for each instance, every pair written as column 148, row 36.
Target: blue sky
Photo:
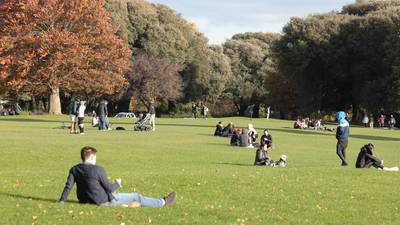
column 220, row 19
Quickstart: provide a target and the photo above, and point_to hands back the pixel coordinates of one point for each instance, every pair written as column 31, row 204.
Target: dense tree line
column 344, row 60
column 323, row 62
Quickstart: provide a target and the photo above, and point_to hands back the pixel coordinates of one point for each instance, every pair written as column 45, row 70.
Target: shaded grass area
column 216, row 183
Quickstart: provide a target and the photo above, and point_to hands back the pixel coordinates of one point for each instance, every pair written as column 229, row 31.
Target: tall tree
column 56, row 45
column 249, row 54
column 154, row 78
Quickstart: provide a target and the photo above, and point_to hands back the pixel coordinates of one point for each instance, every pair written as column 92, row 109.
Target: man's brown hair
column 87, row 151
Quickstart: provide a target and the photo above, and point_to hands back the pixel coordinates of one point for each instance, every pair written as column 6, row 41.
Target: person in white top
column 252, row 134
column 81, row 116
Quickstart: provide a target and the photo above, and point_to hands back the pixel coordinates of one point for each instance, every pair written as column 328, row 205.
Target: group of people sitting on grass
column 307, row 123
column 247, row 138
column 242, row 137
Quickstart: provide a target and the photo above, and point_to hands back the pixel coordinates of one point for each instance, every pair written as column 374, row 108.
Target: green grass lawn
column 216, row 183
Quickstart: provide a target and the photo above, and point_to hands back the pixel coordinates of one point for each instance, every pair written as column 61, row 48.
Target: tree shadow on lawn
column 33, row 198
column 184, row 125
column 326, row 133
column 298, row 131
column 235, row 164
column 32, row 120
column 374, row 138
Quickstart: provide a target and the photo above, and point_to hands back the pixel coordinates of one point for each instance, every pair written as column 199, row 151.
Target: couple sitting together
column 93, row 186
column 222, row 131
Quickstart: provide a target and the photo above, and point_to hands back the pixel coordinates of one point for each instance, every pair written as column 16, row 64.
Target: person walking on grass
column 194, row 111
column 371, row 121
column 342, row 136
column 204, row 111
column 73, row 114
column 391, row 122
column 152, row 112
column 93, row 186
column 81, row 116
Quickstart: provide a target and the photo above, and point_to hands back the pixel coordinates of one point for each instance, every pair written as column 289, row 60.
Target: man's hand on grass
column 119, row 181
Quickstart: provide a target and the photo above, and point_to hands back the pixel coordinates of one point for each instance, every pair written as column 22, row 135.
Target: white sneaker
column 395, row 169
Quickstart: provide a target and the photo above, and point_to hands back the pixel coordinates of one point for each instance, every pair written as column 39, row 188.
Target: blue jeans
column 102, row 123
column 126, row 198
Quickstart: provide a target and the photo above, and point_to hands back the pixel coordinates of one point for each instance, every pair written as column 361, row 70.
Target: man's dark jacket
column 92, row 184
column 366, row 158
column 103, row 109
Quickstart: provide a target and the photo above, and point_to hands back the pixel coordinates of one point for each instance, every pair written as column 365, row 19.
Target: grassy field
column 216, row 183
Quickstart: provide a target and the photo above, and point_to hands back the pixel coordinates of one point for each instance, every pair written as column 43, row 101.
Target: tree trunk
column 55, row 103
column 34, row 104
column 256, row 111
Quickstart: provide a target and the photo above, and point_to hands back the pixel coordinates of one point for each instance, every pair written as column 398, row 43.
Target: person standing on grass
column 73, row 114
column 365, row 120
column 152, row 112
column 391, row 122
column 268, row 112
column 194, row 111
column 381, row 121
column 204, row 111
column 342, row 136
column 93, row 186
column 371, row 121
column 103, row 112
column 81, row 116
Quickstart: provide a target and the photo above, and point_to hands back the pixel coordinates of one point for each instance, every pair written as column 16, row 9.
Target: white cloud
column 221, row 19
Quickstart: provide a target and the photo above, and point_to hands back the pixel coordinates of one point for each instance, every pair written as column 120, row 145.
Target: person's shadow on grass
column 26, row 197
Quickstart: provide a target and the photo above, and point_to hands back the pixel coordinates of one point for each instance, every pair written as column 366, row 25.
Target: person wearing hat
column 342, row 136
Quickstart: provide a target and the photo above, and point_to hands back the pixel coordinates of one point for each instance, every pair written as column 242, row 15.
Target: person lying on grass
column 93, row 186
column 366, row 159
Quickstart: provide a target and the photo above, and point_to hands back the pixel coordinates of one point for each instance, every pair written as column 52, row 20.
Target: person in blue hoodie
column 342, row 136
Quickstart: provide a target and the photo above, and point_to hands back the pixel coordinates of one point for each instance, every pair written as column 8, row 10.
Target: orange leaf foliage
column 46, row 44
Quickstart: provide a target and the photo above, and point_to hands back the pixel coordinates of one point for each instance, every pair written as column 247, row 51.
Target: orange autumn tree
column 48, row 46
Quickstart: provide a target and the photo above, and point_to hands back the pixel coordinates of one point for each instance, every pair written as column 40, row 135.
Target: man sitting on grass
column 93, row 186
column 366, row 159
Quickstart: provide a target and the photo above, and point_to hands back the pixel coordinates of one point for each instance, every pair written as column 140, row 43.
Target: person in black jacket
column 366, row 158
column 342, row 136
column 261, row 156
column 93, row 186
column 235, row 141
column 218, row 129
column 229, row 130
column 266, row 139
